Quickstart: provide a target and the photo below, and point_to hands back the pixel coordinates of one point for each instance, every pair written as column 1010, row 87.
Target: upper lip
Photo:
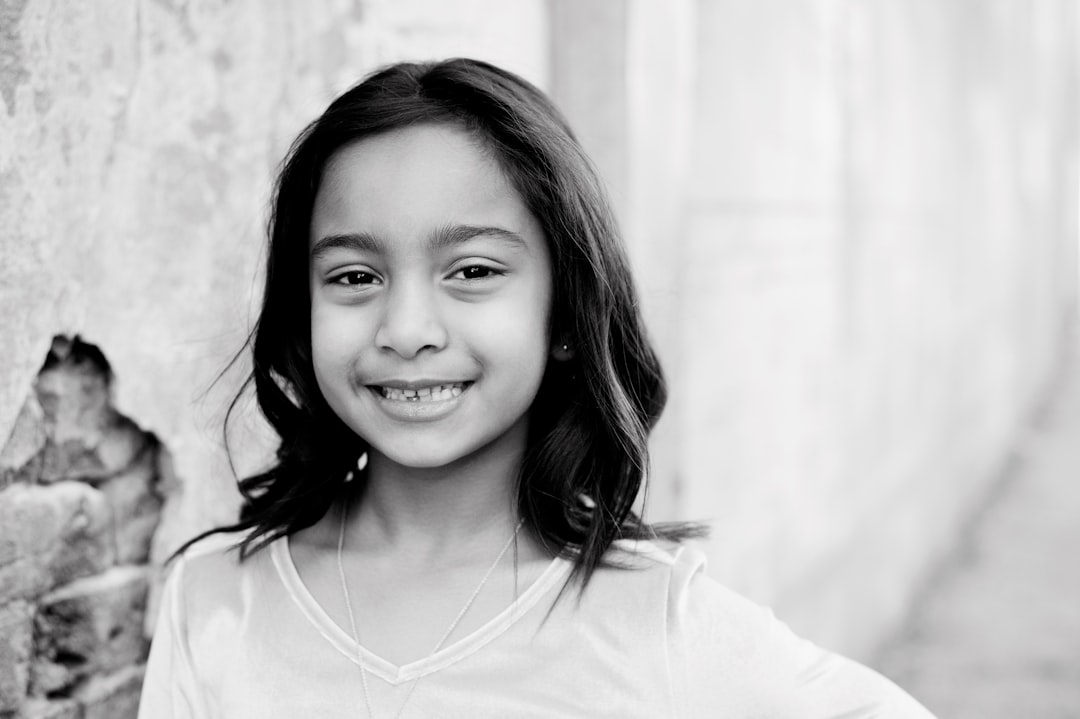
column 415, row 383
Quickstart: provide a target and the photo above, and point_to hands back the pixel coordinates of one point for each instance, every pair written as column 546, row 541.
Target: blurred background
column 854, row 227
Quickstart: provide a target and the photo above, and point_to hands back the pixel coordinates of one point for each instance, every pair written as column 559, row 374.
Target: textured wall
column 854, row 228
column 853, row 223
column 80, row 500
column 138, row 140
column 878, row 267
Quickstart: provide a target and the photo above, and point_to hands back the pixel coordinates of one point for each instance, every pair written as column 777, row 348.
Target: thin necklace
column 445, row 636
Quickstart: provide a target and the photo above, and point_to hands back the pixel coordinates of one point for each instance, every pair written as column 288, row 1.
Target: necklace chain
column 446, row 634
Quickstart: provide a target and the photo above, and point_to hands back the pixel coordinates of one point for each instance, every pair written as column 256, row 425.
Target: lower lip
column 418, row 411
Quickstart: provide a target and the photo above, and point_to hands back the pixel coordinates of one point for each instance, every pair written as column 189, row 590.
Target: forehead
column 402, row 182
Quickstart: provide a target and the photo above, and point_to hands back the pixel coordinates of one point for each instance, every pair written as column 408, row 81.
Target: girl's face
column 430, row 297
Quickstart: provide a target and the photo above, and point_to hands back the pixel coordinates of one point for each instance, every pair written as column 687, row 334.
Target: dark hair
column 587, row 452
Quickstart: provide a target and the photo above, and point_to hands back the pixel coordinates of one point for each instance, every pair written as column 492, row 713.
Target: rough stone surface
column 16, row 632
column 88, row 627
column 135, row 504
column 116, row 448
column 50, row 535
column 21, row 457
column 138, row 143
column 51, row 709
column 73, row 392
column 85, row 437
column 115, row 696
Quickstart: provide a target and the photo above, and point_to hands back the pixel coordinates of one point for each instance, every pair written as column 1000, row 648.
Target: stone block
column 16, row 632
column 97, row 454
column 85, row 437
column 51, row 709
column 90, row 626
column 135, row 503
column 20, row 457
column 73, row 389
column 47, row 678
column 50, row 535
column 133, row 538
column 115, row 696
column 122, row 444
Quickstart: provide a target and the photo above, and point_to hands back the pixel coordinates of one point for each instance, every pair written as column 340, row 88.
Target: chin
column 422, row 461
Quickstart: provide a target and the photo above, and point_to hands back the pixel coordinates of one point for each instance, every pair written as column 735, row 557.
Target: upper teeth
column 424, row 394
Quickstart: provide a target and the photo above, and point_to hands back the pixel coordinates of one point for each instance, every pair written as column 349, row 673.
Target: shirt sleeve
column 170, row 690
column 733, row 656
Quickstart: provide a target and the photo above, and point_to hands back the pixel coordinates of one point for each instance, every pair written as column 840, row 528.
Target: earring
column 562, row 352
column 360, row 464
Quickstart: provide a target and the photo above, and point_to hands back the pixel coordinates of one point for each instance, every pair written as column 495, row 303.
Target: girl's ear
column 562, row 352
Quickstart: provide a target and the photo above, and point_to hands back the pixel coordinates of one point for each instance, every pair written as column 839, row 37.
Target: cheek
column 334, row 335
column 522, row 327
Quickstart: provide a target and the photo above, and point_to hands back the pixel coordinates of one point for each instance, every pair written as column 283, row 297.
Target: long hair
column 587, row 455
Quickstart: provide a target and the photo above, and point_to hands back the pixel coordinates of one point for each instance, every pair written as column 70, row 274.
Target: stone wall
column 80, row 498
column 138, row 141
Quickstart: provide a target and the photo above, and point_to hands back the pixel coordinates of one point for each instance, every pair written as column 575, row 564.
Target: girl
column 450, row 350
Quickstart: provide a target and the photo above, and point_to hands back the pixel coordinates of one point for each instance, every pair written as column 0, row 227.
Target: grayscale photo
column 544, row 359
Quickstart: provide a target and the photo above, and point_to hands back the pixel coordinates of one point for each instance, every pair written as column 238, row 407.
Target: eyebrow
column 445, row 237
column 350, row 241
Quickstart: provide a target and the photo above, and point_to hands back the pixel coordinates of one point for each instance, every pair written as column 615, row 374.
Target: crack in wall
column 80, row 501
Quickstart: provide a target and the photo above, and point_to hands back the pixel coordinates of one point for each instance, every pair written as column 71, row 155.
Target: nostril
column 411, row 328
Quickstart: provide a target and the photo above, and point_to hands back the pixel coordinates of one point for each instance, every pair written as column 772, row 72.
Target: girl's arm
column 170, row 690
column 728, row 652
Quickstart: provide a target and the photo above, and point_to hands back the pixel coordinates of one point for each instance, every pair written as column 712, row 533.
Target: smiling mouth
column 435, row 393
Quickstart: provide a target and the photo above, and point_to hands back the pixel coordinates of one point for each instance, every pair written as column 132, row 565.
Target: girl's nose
column 411, row 321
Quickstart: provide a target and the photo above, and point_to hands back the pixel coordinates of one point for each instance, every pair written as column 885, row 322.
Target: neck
column 434, row 512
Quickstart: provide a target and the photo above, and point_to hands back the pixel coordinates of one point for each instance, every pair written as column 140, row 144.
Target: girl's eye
column 476, row 272
column 354, row 278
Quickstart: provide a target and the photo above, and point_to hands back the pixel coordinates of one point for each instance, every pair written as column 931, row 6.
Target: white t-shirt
column 248, row 641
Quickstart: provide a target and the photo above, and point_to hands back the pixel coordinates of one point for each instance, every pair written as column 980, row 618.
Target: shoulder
column 650, row 583
column 656, row 556
column 692, row 601
column 727, row 653
column 632, row 563
column 218, row 553
column 212, row 572
column 677, row 568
